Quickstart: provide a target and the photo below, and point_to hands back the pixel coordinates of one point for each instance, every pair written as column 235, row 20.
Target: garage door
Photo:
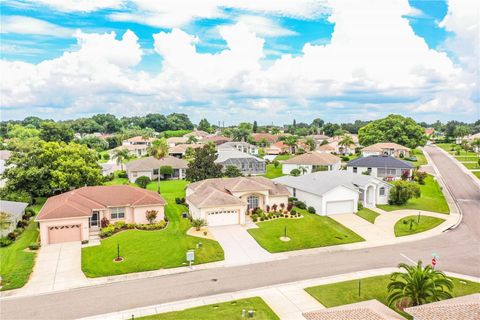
column 334, row 207
column 60, row 234
column 223, row 217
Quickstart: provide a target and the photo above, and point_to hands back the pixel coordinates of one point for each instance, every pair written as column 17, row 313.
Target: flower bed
column 111, row 229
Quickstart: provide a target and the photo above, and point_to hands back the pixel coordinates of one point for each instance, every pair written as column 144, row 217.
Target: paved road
column 458, row 249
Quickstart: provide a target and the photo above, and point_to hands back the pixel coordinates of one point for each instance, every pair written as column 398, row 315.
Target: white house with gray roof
column 336, row 192
column 246, row 163
column 382, row 167
column 15, row 211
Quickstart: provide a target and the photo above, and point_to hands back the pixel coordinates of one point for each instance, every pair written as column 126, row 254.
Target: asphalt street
column 459, row 251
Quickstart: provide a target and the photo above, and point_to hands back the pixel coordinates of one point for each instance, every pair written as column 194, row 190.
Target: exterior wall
column 133, row 175
column 288, row 167
column 340, row 193
column 201, row 213
column 246, row 166
column 276, row 200
column 138, row 213
column 310, row 199
column 83, row 221
column 383, row 199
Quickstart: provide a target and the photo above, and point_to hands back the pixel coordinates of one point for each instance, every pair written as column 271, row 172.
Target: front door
column 94, row 219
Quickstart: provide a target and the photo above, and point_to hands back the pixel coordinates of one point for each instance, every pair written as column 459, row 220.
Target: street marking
column 408, row 258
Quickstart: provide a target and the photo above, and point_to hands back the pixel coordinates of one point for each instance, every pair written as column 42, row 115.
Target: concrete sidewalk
column 287, row 300
column 368, row 231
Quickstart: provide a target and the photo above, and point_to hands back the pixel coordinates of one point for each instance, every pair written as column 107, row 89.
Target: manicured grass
column 432, row 199
column 421, row 160
column 402, row 226
column 341, row 293
column 311, row 231
column 448, row 147
column 471, row 165
column 281, row 157
column 467, row 158
column 151, row 250
column 368, row 215
column 226, row 310
column 477, row 174
column 273, row 172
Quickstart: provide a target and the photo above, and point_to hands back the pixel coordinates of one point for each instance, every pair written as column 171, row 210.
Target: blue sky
column 284, row 32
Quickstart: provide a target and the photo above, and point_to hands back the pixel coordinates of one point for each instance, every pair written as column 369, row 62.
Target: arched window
column 252, row 202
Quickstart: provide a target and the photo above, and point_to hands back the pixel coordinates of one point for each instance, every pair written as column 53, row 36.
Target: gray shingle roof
column 15, row 209
column 379, row 162
column 224, row 155
column 150, row 163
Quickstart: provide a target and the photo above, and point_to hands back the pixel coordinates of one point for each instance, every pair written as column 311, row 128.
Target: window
column 294, row 192
column 155, row 171
column 382, row 191
column 354, row 169
column 134, row 174
column 369, row 170
column 252, row 202
column 117, row 213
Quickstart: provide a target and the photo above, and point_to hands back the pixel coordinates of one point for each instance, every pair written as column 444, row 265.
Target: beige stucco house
column 225, row 201
column 311, row 162
column 386, row 149
column 75, row 215
column 149, row 167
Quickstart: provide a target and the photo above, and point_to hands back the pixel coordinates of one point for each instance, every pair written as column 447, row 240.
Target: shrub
column 311, row 210
column 5, row 242
column 143, row 181
column 289, row 206
column 131, row 225
column 282, row 206
column 293, row 212
column 122, row 174
column 300, row 204
column 295, row 172
column 151, row 215
column 232, row 171
column 262, row 218
column 180, row 200
column 403, row 191
column 12, row 236
column 198, row 223
column 29, row 212
column 360, row 206
column 107, row 231
column 153, row 226
column 267, row 208
column 34, row 246
column 22, row 223
column 18, row 231
column 119, row 225
column 419, row 176
column 104, row 222
column 254, row 219
column 292, row 199
column 274, row 207
column 345, row 158
column 106, row 156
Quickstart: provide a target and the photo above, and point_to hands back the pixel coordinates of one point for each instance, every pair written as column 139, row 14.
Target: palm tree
column 346, row 142
column 159, row 149
column 310, row 143
column 291, row 141
column 418, row 285
column 121, row 155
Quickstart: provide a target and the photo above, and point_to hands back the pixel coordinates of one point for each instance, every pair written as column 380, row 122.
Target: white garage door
column 334, row 207
column 60, row 234
column 223, row 217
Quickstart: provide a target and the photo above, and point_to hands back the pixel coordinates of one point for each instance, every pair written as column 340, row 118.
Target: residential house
column 326, row 148
column 429, row 132
column 459, row 308
column 341, row 149
column 149, row 167
column 226, row 201
column 262, row 136
column 386, row 149
column 197, row 134
column 383, row 167
column 138, row 146
column 319, row 138
column 216, row 140
column 173, row 141
column 4, row 156
column 179, row 150
column 108, row 168
column 364, row 310
column 340, row 138
column 276, row 148
column 15, row 211
column 468, row 138
column 246, row 163
column 240, row 146
column 75, row 215
column 335, row 192
column 311, row 162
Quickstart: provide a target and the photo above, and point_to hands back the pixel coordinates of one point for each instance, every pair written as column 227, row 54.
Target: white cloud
column 28, row 25
column 264, row 27
column 72, row 5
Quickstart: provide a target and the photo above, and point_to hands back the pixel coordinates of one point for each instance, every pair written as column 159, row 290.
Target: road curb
column 462, row 167
column 445, row 187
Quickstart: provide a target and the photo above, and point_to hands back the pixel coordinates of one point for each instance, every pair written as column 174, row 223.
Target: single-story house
column 246, row 163
column 340, row 138
column 4, row 156
column 277, row 148
column 173, row 141
column 311, row 162
column 240, row 146
column 137, row 146
column 343, row 150
column 262, row 136
column 386, row 149
column 364, row 310
column 319, row 138
column 74, row 215
column 459, row 308
column 107, row 168
column 326, row 148
column 225, row 201
column 15, row 211
column 383, row 167
column 179, row 150
column 197, row 134
column 149, row 167
column 333, row 192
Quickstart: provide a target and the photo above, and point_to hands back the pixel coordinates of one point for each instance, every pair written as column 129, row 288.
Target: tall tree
column 109, row 122
column 462, row 131
column 418, row 285
column 204, row 125
column 52, row 131
column 255, row 127
column 318, row 123
column 203, row 165
column 159, row 150
column 394, row 128
column 179, row 121
column 157, row 122
column 120, row 155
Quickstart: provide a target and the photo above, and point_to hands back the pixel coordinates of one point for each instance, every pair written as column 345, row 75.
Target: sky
column 225, row 60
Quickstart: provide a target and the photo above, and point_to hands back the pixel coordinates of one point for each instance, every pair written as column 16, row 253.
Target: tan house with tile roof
column 225, row 201
column 173, row 141
column 75, row 215
column 179, row 150
column 386, row 149
column 149, row 167
column 311, row 162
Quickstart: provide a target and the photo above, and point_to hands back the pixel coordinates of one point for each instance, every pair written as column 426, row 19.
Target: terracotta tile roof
column 212, row 197
column 197, row 133
column 217, row 139
column 314, row 158
column 461, row 308
column 80, row 202
column 181, row 148
column 366, row 310
column 326, row 147
column 140, row 139
column 384, row 145
column 150, row 163
column 268, row 136
column 177, row 140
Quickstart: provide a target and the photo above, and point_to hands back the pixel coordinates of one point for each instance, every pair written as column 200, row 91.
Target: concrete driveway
column 239, row 247
column 57, row 267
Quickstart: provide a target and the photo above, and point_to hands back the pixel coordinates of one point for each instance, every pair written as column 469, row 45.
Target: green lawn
column 402, row 226
column 341, row 293
column 226, row 310
column 368, row 215
column 448, row 147
column 432, row 199
column 273, row 172
column 311, row 231
column 471, row 165
column 467, row 158
column 421, row 160
column 151, row 250
column 477, row 174
column 281, row 157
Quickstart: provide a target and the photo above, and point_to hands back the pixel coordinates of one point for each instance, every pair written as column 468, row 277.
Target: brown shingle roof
column 212, row 197
column 461, row 308
column 151, row 163
column 314, row 158
column 267, row 136
column 80, row 202
column 366, row 310
column 181, row 148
